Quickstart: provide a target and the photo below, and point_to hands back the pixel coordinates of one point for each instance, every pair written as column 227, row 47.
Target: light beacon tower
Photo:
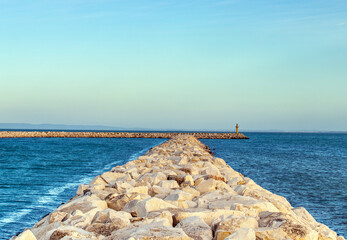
column 237, row 128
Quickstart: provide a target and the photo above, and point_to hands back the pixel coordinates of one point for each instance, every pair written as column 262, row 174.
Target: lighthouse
column 237, row 128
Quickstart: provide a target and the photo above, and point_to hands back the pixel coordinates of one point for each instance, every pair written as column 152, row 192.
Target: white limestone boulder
column 69, row 232
column 56, row 216
column 196, row 228
column 168, row 184
column 206, row 185
column 98, row 180
column 26, row 235
column 207, row 215
column 191, row 190
column 218, row 162
column 210, row 169
column 107, row 221
column 283, row 225
column 111, row 176
column 179, row 195
column 152, row 178
column 118, row 201
column 81, row 189
column 84, row 204
column 242, row 234
column 231, row 224
column 151, row 204
column 154, row 190
column 156, row 230
column 139, row 189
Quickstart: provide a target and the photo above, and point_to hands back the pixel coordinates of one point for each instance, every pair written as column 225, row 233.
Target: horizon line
column 86, row 127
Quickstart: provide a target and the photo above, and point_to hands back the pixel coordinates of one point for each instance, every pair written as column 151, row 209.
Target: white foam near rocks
column 177, row 190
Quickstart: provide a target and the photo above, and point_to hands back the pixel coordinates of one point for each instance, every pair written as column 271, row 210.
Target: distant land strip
column 55, row 134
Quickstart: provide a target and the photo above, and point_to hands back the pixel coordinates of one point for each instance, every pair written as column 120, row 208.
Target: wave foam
column 54, row 192
column 14, row 217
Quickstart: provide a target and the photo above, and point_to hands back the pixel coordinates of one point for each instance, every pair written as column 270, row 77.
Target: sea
column 39, row 174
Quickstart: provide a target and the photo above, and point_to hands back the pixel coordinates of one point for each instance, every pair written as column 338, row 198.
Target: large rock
column 185, row 179
column 81, row 189
column 195, row 228
column 149, row 229
column 69, row 232
column 219, row 162
column 107, row 221
column 104, row 229
column 26, row 235
column 110, row 215
column 139, row 189
column 152, row 178
column 251, row 206
column 275, row 225
column 41, row 231
column 130, row 207
column 210, row 169
column 230, row 225
column 242, row 234
column 179, row 195
column 261, row 194
column 207, row 215
column 98, row 180
column 79, row 219
column 183, row 161
column 159, row 233
column 304, row 215
column 84, row 204
column 157, row 190
column 121, row 186
column 325, row 232
column 191, row 190
column 160, row 215
column 118, row 201
column 206, row 185
column 168, row 184
column 111, row 176
column 218, row 198
column 56, row 216
column 151, row 204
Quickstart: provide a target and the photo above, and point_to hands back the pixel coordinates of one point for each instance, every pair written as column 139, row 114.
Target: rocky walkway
column 177, row 190
column 53, row 134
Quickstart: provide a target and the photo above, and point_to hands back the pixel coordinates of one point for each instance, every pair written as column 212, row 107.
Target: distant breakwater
column 55, row 134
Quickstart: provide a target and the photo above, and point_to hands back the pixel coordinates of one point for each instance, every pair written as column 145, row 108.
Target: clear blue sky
column 175, row 64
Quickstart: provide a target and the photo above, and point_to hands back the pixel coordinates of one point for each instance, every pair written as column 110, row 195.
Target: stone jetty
column 178, row 190
column 56, row 134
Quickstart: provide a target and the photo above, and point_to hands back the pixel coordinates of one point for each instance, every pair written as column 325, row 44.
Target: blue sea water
column 309, row 169
column 38, row 174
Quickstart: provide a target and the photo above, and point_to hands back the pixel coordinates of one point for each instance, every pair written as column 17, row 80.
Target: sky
column 192, row 64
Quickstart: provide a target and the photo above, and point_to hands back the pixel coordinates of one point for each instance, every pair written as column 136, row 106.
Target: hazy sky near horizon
column 175, row 64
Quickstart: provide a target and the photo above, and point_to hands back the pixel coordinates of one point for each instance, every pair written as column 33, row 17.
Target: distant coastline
column 102, row 128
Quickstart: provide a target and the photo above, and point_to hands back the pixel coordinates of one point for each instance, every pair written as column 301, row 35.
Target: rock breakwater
column 55, row 134
column 178, row 191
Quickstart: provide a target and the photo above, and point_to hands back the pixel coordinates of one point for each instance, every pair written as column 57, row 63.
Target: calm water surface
column 37, row 175
column 310, row 170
